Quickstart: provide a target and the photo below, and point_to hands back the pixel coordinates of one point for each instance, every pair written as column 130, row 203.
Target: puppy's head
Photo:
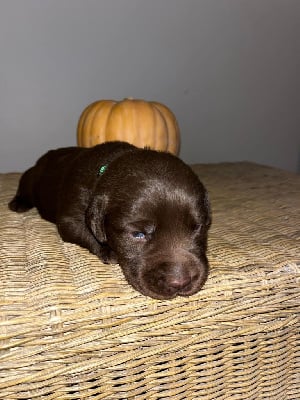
column 153, row 212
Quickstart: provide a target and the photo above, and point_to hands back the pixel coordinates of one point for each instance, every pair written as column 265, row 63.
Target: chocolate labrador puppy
column 146, row 210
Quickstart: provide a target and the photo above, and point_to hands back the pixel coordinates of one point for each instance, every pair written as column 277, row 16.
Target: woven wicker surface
column 72, row 328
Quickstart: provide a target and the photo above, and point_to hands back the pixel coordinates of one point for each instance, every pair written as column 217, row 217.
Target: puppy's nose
column 179, row 282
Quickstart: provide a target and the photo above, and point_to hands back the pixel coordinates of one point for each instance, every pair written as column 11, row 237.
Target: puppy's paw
column 18, row 204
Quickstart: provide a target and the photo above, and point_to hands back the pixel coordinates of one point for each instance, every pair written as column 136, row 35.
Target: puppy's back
column 60, row 176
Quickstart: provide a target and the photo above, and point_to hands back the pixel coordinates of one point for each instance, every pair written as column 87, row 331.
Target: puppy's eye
column 139, row 235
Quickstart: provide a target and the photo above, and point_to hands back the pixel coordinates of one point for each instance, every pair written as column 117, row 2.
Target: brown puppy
column 144, row 209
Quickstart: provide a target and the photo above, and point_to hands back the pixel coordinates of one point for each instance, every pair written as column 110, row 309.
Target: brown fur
column 147, row 211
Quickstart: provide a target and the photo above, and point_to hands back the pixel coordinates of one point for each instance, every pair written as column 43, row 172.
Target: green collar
column 102, row 169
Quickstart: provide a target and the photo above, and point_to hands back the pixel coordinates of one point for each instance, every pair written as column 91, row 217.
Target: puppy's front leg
column 74, row 230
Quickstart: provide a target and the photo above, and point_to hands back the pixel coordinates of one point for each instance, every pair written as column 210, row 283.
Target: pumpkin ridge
column 172, row 127
column 165, row 132
column 108, row 116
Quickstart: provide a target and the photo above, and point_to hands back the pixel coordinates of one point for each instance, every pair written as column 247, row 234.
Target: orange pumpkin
column 139, row 122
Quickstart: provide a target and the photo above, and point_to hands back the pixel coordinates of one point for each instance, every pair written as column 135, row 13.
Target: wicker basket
column 72, row 328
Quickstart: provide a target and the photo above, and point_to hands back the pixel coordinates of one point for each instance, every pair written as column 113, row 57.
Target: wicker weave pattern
column 72, row 328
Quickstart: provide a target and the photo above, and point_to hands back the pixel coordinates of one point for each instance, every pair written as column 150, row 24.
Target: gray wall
column 229, row 69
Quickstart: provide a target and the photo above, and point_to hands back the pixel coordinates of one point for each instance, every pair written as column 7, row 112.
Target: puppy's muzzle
column 169, row 280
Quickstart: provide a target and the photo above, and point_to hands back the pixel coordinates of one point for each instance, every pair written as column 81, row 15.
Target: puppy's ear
column 95, row 215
